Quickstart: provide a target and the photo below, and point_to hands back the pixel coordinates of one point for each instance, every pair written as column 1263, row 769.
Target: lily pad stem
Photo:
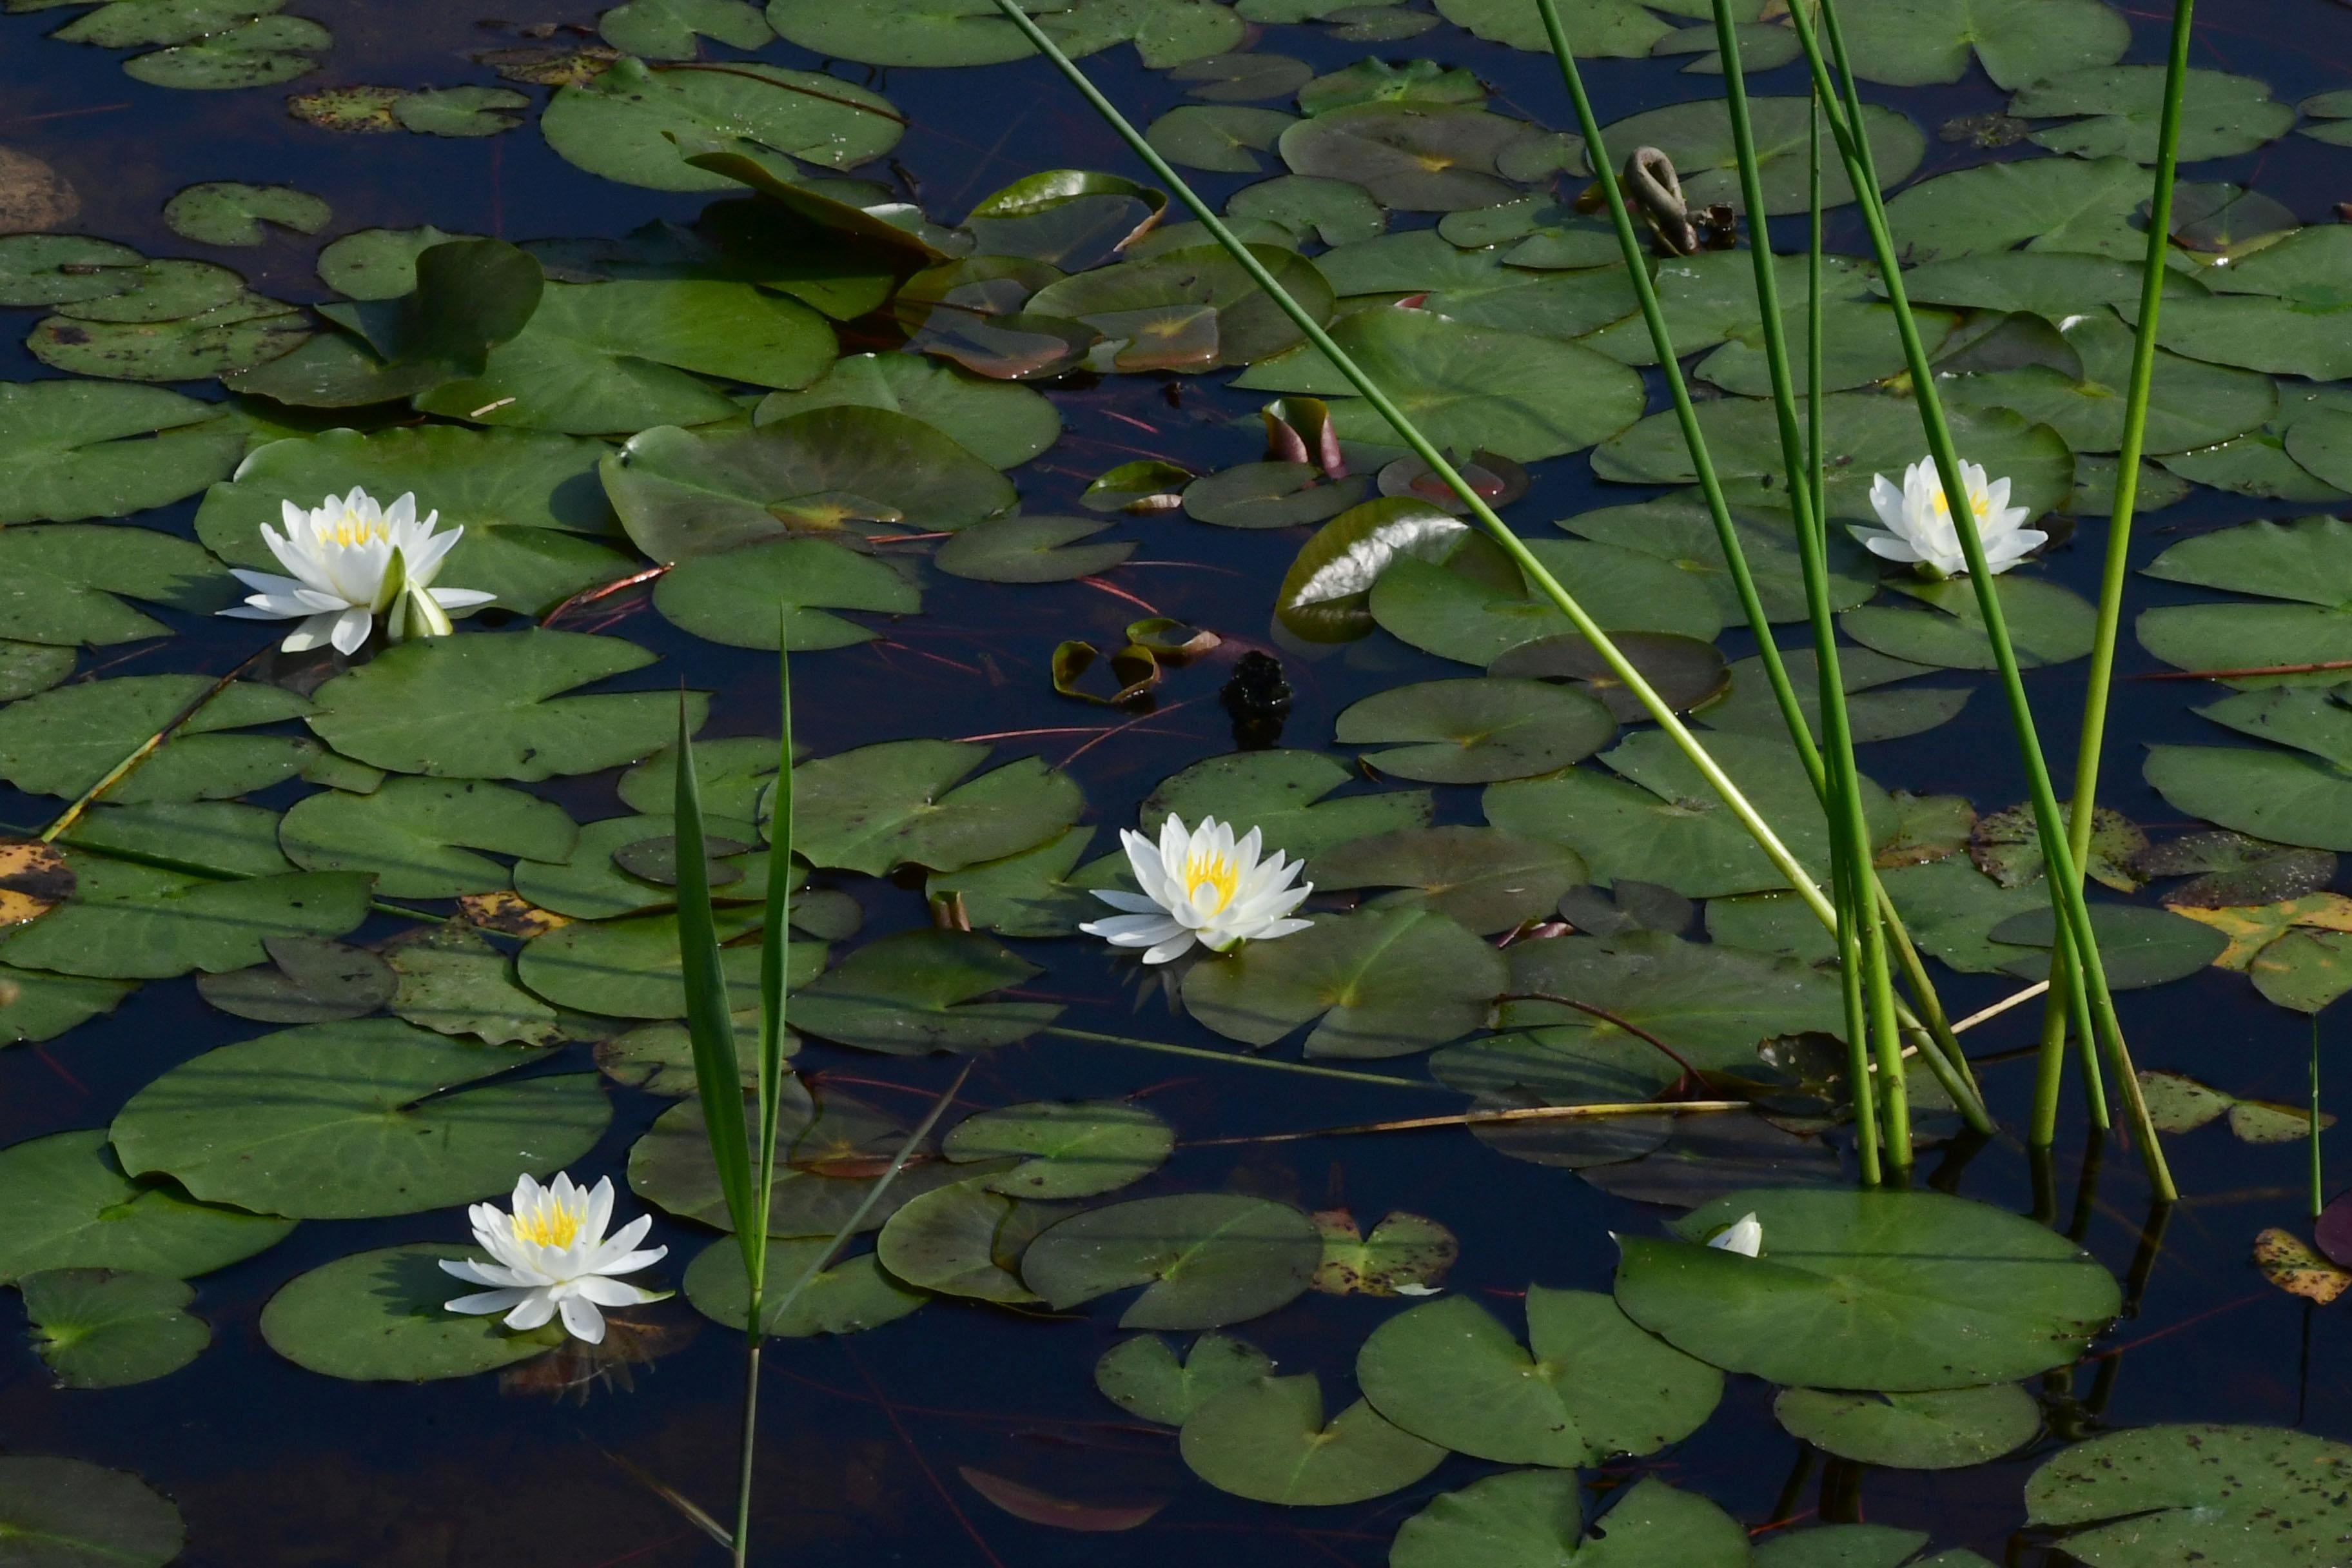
column 1237, row 1058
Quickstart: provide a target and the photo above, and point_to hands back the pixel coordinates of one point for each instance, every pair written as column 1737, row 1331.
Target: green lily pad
column 1224, row 138
column 1478, row 608
column 659, row 1058
column 41, row 1006
column 628, row 123
column 2305, row 970
column 2166, row 1494
column 2220, row 115
column 1541, row 231
column 2282, row 308
column 460, row 110
column 1680, row 530
column 261, row 52
column 910, row 802
column 1406, row 1255
column 915, row 992
column 1518, row 396
column 2256, row 464
column 2043, row 203
column 1030, row 894
column 1376, row 983
column 1697, row 137
column 1002, row 423
column 1266, row 1440
column 2047, row 624
column 2190, row 404
column 1310, row 206
column 1410, row 156
column 629, row 968
column 1067, row 1149
column 782, row 590
column 77, row 1515
column 247, row 330
column 71, row 449
column 1941, row 1431
column 962, row 1240
column 1867, row 432
column 537, row 529
column 160, row 291
column 308, row 980
column 1750, row 708
column 1271, row 495
column 1031, row 550
column 60, row 268
column 733, row 775
column 1711, row 1003
column 1281, row 792
column 1955, row 1294
column 1596, row 28
column 223, row 212
column 491, row 707
column 1207, row 1259
column 1907, row 43
column 76, row 1209
column 416, row 836
column 853, row 1295
column 97, row 1328
column 1659, row 821
column 1209, row 310
column 378, row 263
column 1241, row 77
column 1533, row 1519
column 452, row 981
column 590, row 885
column 1855, row 1546
column 128, row 921
column 379, row 1317
column 2278, row 794
column 1477, row 731
column 63, row 741
column 396, row 1129
column 1486, row 881
column 1593, row 1386
column 682, row 495
column 2301, row 562
column 226, row 839
column 667, row 30
column 1477, row 288
column 1143, row 1377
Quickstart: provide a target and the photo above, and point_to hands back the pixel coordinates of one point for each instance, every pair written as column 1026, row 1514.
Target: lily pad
column 781, row 590
column 73, row 1514
column 1030, row 894
column 2220, row 115
column 2190, row 404
column 1304, row 206
column 1874, row 714
column 1002, row 424
column 76, row 1209
column 1410, row 156
column 910, row 802
column 97, row 1328
column 1956, row 1294
column 1477, row 731
column 72, row 449
column 629, row 968
column 492, row 707
column 259, row 53
column 247, row 330
column 404, row 1122
column 1266, row 1440
column 1907, row 43
column 852, row 1295
column 1681, row 531
column 1602, row 28
column 1067, row 1149
column 1711, row 1004
column 1143, row 1377
column 1593, row 1386
column 1207, row 1259
column 1478, row 608
column 308, row 980
column 63, row 741
column 2047, row 624
column 1031, row 550
column 1405, row 1254
column 225, row 212
column 380, row 1317
column 45, row 1006
column 416, row 836
column 681, row 495
column 2043, row 203
column 1697, row 137
column 128, row 921
column 2166, row 1494
column 668, row 29
column 537, row 529
column 628, row 123
column 1486, row 881
column 1190, row 310
column 1533, row 1519
column 1224, row 138
column 1476, row 289
column 2282, row 308
column 1941, row 1431
column 1376, row 983
column 452, row 981
column 1540, row 231
column 919, row 991
column 962, row 1240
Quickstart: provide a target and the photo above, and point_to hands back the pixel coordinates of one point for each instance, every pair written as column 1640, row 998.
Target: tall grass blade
column 775, row 948
column 718, row 1074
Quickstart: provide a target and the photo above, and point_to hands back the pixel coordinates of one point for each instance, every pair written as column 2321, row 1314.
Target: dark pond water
column 865, row 1435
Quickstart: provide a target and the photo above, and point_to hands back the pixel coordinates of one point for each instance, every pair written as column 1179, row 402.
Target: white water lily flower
column 1201, row 887
column 1744, row 1235
column 353, row 561
column 1919, row 529
column 551, row 1255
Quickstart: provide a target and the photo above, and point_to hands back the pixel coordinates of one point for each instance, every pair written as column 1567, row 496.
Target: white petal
column 312, row 633
column 630, row 1262
column 1133, row 903
column 1174, row 947
column 1744, row 1236
column 351, row 630
column 537, row 1307
column 582, row 1320
column 460, row 598
column 487, row 1301
column 613, row 1292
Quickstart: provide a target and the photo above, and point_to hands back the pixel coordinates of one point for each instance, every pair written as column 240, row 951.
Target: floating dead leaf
column 509, row 913
column 34, row 879
column 2289, row 1263
column 2266, row 1122
column 1037, row 1507
column 353, row 110
column 1133, row 673
column 1406, row 1255
column 34, row 198
column 550, row 65
column 2007, row 846
column 2251, row 927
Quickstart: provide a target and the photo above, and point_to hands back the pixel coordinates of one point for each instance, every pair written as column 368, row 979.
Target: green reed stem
column 1846, row 125
column 1843, row 801
column 1236, row 1058
column 1788, row 865
column 2117, row 563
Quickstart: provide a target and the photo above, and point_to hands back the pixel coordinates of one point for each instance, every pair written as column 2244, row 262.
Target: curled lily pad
column 2118, row 107
column 2168, row 1494
column 1593, row 1385
column 628, row 123
column 1067, row 1151
column 1143, row 1377
column 1487, row 881
column 1965, row 1295
column 1697, row 137
column 920, row 991
column 1266, row 1440
column 97, row 1328
column 903, row 802
column 1477, row 731
column 1940, row 1431
column 76, row 1209
column 681, row 494
column 1533, row 1519
column 1326, row 597
column 404, row 1123
column 1208, row 1258
column 1377, row 982
column 380, row 1317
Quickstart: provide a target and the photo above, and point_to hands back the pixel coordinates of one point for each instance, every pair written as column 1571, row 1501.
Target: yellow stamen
column 549, row 1226
column 1211, row 871
column 351, row 529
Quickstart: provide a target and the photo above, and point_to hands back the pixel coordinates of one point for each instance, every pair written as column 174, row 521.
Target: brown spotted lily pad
column 2288, row 1262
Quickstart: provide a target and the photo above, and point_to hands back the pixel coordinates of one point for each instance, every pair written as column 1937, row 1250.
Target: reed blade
column 718, row 1074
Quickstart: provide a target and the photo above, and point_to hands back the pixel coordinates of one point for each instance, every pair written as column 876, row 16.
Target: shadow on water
column 871, row 1442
